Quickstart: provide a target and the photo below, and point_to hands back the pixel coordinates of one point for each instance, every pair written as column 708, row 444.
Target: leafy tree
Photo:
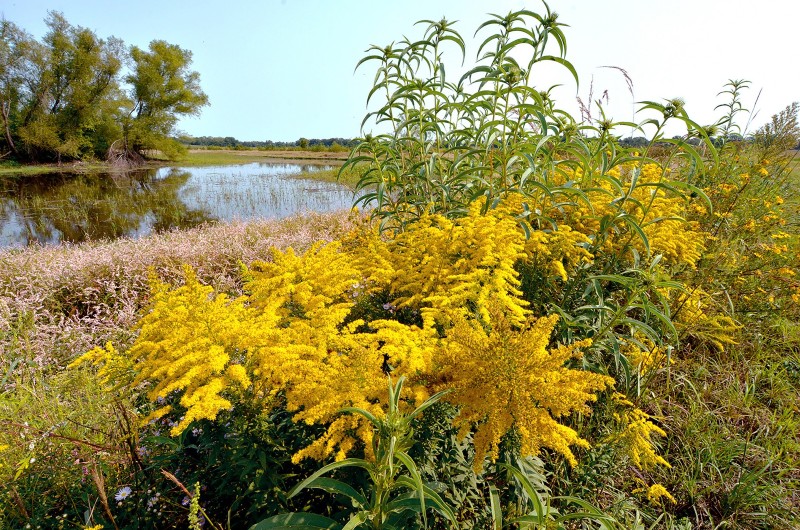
column 14, row 47
column 73, row 91
column 63, row 97
column 163, row 89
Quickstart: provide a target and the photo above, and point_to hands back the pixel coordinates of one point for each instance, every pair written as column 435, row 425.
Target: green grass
column 348, row 177
column 200, row 158
column 213, row 157
column 14, row 168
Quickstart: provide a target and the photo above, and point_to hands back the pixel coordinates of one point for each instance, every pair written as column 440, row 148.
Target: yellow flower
column 657, row 492
column 635, row 438
column 442, row 267
column 643, row 354
column 116, row 369
column 188, row 342
column 504, row 378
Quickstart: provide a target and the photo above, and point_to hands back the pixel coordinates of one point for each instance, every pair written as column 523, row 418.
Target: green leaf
column 565, row 63
column 347, row 462
column 408, row 462
column 428, row 402
column 431, row 499
column 297, row 521
column 497, row 511
column 357, row 520
column 368, row 415
column 336, row 486
column 527, row 486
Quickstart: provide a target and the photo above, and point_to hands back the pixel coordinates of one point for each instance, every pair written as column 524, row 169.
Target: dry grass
column 58, row 301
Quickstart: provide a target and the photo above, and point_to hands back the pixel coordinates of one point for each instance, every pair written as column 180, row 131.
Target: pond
column 68, row 207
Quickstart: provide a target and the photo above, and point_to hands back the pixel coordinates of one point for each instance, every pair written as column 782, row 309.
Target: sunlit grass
column 194, row 158
column 13, row 168
column 347, row 177
column 212, row 157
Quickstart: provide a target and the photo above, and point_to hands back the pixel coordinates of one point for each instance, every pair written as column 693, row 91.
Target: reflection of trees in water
column 96, row 206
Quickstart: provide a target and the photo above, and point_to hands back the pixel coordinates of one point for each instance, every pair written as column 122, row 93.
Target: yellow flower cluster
column 504, row 378
column 643, row 354
column 656, row 494
column 692, row 317
column 116, row 369
column 627, row 202
column 558, row 251
column 301, row 343
column 296, row 330
column 636, row 434
column 189, row 343
column 444, row 267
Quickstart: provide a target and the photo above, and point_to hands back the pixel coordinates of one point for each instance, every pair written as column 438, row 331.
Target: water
column 67, row 207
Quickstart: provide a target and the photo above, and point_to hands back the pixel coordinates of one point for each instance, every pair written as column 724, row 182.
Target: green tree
column 163, row 88
column 14, row 50
column 73, row 92
column 62, row 98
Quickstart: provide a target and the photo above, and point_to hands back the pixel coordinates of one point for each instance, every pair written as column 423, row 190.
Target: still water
column 68, row 207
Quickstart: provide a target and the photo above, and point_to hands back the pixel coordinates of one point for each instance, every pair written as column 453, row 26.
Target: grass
column 194, row 158
column 211, row 157
column 61, row 300
column 348, row 177
column 14, row 168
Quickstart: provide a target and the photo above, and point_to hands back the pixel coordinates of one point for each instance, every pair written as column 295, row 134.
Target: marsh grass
column 209, row 157
column 42, row 169
column 194, row 157
column 348, row 176
column 58, row 301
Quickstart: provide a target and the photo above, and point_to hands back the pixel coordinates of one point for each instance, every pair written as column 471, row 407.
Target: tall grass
column 58, row 301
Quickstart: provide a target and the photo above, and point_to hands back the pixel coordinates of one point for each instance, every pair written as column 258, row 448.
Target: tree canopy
column 74, row 95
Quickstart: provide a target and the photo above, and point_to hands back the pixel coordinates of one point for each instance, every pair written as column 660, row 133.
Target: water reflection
column 69, row 207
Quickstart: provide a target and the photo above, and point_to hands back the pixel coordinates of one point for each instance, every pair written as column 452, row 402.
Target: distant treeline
column 232, row 143
column 229, row 142
column 641, row 141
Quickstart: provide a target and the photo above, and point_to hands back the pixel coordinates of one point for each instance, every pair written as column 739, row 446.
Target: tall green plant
column 490, row 132
column 397, row 495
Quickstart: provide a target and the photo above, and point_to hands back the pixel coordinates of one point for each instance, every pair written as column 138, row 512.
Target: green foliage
column 489, row 133
column 59, row 443
column 163, row 89
column 64, row 98
column 395, row 498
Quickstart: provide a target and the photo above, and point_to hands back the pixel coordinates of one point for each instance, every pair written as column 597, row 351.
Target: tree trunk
column 5, row 108
column 123, row 157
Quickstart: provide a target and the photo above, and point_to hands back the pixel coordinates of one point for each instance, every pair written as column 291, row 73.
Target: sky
column 284, row 69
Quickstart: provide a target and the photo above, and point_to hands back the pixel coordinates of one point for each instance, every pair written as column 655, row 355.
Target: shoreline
column 195, row 157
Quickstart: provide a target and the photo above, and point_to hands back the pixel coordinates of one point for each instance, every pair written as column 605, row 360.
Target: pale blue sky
column 282, row 69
